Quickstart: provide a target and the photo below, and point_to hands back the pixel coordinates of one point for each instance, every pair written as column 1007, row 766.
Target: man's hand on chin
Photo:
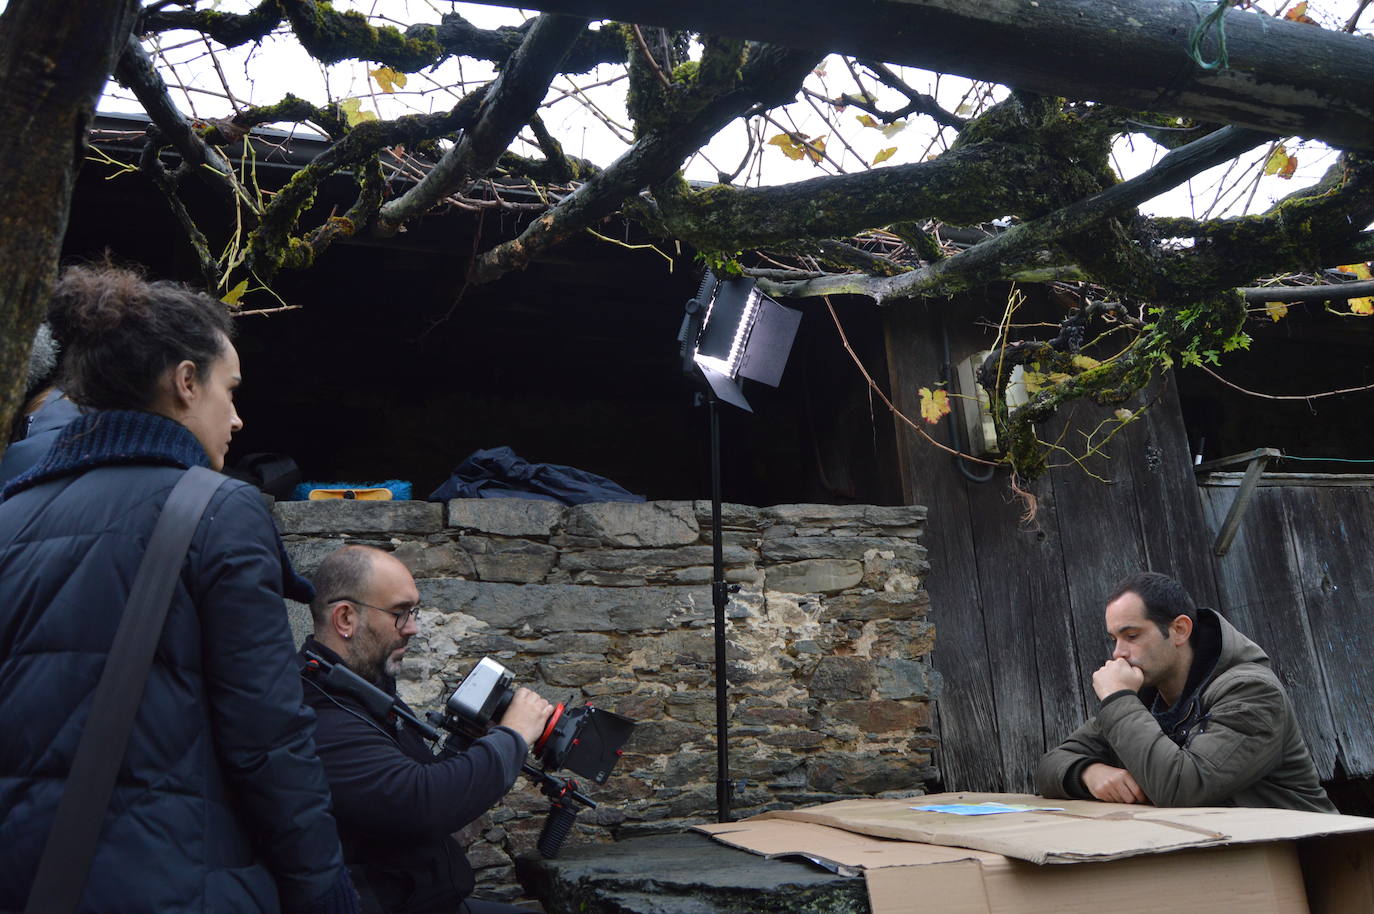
column 1115, row 675
column 1112, row 785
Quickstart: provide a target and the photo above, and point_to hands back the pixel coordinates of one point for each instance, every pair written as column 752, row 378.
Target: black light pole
column 720, row 596
column 730, row 331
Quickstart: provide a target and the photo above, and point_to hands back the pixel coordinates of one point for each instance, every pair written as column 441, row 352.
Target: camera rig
column 586, row 740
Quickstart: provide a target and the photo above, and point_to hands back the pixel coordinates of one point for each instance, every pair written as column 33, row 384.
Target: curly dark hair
column 120, row 333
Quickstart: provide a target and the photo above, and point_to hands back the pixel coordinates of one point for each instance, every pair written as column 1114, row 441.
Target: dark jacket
column 221, row 803
column 1231, row 740
column 37, row 433
column 398, row 803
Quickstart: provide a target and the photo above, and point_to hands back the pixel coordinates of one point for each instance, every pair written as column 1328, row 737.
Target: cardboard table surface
column 1222, row 860
column 1078, row 830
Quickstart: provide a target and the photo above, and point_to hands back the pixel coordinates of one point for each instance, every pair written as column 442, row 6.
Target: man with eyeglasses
column 396, row 802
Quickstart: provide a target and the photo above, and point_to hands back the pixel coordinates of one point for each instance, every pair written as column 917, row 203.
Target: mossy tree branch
column 507, row 105
column 135, row 71
column 770, row 76
column 151, row 167
column 1021, row 245
column 332, row 36
column 271, row 246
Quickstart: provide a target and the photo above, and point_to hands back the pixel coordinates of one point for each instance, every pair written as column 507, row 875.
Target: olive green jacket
column 1237, row 742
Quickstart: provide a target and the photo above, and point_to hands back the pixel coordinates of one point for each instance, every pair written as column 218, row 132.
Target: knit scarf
column 108, row 437
column 100, row 438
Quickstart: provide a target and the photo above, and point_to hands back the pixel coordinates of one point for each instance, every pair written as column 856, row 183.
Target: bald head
column 344, row 573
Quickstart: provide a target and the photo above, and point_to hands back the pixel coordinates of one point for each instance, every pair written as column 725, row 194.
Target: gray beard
column 371, row 659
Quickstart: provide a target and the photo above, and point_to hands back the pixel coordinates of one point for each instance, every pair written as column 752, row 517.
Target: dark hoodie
column 1232, row 740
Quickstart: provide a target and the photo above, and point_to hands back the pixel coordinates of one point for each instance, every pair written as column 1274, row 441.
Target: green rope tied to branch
column 1214, row 19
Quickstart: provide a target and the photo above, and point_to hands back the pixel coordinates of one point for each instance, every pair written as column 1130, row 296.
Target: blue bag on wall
column 501, row 473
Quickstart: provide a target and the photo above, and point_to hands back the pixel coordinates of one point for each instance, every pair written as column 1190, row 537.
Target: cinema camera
column 585, row 740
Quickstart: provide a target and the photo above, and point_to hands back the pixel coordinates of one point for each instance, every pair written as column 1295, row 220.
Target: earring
column 347, row 635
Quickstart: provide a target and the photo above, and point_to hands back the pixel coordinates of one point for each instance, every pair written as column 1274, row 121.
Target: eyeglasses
column 402, row 616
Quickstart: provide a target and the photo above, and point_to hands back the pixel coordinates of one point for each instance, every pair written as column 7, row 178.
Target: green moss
column 685, row 74
column 691, row 84
column 233, row 29
column 722, row 263
column 331, row 36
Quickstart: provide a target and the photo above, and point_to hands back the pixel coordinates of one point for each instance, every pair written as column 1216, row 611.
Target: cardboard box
column 1124, row 857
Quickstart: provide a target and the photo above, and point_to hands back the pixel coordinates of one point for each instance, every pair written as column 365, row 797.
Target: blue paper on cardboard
column 982, row 809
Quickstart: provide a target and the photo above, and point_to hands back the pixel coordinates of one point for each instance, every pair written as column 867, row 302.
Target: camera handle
column 562, row 794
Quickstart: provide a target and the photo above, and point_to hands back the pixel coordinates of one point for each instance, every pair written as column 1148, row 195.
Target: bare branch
column 917, row 102
column 509, row 103
column 136, row 72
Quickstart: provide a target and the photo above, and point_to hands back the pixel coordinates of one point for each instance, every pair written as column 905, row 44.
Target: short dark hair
column 120, row 333
column 1165, row 599
column 343, row 574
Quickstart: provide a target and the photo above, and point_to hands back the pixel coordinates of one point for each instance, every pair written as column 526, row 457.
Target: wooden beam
column 1247, row 457
column 1257, row 459
column 1336, row 291
column 1282, row 77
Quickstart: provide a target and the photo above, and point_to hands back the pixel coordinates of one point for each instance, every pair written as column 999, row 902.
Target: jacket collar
column 108, row 437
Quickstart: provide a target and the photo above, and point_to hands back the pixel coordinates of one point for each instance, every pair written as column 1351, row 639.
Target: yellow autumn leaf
column 1058, row 377
column 1358, row 270
column 894, row 128
column 1277, row 161
column 1123, row 414
column 1034, row 380
column 964, row 109
column 788, row 145
column 1276, row 310
column 1362, row 306
column 815, row 149
column 353, row 112
column 388, row 79
column 233, row 295
column 934, row 405
column 1084, row 362
column 866, row 120
column 884, row 154
column 1299, row 14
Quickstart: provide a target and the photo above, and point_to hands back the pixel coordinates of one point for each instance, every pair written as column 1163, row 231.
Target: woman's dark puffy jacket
column 221, row 803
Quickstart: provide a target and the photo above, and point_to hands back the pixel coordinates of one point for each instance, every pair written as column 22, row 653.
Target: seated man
column 396, row 802
column 1191, row 715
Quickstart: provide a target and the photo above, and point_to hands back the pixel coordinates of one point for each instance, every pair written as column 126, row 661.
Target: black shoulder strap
column 62, row 871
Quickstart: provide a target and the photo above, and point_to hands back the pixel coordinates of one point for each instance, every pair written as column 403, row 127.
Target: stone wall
column 830, row 683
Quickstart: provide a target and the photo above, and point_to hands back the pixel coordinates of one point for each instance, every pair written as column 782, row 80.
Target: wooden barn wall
column 1298, row 579
column 1018, row 606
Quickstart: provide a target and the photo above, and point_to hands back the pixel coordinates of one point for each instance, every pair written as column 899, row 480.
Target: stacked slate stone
column 831, row 689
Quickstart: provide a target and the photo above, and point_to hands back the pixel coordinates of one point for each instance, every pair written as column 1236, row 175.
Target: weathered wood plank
column 1260, row 591
column 1100, row 536
column 970, row 755
column 1332, row 532
column 1173, row 528
column 1339, row 480
column 1030, row 635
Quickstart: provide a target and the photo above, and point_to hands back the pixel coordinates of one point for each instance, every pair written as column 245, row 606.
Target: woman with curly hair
column 220, row 803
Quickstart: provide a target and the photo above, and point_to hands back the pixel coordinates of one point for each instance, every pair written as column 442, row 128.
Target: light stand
column 730, row 331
